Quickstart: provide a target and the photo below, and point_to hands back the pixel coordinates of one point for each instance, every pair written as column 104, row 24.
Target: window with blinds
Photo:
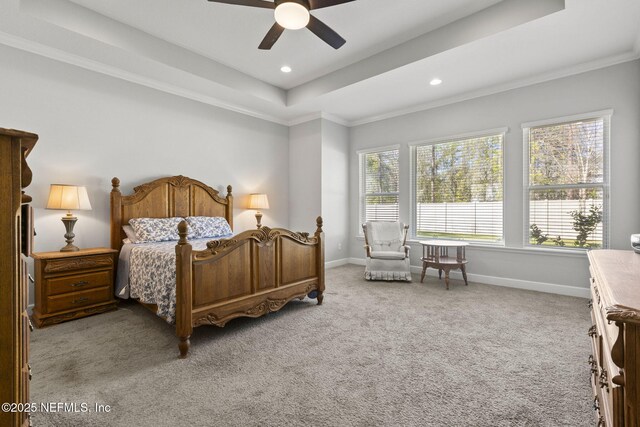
column 566, row 183
column 379, row 185
column 458, row 189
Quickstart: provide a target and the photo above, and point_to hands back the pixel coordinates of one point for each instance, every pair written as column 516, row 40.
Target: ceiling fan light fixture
column 292, row 15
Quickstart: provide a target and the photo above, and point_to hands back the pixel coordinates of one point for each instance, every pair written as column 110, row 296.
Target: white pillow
column 131, row 235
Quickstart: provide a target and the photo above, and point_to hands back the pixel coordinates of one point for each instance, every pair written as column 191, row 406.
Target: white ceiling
column 230, row 34
column 208, row 51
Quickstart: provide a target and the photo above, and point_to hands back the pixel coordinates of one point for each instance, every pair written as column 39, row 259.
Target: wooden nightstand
column 70, row 285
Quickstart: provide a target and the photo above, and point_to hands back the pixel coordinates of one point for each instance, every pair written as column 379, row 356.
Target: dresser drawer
column 53, row 266
column 78, row 282
column 75, row 300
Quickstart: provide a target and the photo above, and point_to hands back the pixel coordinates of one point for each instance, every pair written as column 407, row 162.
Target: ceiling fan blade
column 319, row 4
column 252, row 3
column 321, row 30
column 272, row 36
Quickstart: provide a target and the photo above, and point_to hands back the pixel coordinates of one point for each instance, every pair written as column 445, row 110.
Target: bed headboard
column 165, row 198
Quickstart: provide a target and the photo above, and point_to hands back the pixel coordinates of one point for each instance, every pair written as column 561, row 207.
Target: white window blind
column 458, row 189
column 566, row 183
column 379, row 186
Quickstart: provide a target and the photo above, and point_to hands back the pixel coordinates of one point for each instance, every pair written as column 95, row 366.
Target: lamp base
column 69, row 222
column 258, row 219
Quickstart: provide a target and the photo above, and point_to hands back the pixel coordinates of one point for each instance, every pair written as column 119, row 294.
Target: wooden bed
column 250, row 274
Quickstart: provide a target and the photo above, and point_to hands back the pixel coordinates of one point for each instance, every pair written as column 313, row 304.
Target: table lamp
column 62, row 196
column 258, row 201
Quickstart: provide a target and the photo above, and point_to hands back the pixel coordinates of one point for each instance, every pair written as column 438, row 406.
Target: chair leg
column 424, row 270
column 446, row 277
column 440, row 273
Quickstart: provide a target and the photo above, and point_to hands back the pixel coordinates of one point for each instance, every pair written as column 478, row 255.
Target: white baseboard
column 550, row 288
column 336, row 263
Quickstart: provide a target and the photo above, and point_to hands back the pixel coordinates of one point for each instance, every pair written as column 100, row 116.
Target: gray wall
column 318, row 182
column 335, row 189
column 305, row 175
column 616, row 88
column 94, row 127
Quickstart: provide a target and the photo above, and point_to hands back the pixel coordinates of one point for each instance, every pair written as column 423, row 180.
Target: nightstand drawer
column 79, row 299
column 79, row 263
column 78, row 282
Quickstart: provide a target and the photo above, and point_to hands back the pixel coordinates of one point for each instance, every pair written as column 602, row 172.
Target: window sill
column 500, row 247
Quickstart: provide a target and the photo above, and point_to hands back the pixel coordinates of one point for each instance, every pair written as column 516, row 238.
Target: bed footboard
column 249, row 275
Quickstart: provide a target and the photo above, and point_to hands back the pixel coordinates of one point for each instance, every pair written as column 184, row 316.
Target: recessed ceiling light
column 285, row 69
column 435, row 82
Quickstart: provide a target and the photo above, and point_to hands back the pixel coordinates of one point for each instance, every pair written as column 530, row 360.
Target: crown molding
column 88, row 64
column 541, row 78
column 316, row 116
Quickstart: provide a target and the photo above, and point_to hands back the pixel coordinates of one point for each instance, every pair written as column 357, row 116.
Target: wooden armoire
column 16, row 221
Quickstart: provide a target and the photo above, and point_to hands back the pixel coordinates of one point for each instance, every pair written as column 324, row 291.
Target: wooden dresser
column 615, row 336
column 70, row 285
column 15, row 246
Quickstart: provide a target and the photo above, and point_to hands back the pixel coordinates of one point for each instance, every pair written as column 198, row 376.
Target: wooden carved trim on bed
column 175, row 196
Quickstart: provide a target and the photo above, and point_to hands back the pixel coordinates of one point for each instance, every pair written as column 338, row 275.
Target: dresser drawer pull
column 78, row 284
column 592, row 331
column 80, row 300
column 590, row 304
column 592, row 363
column 30, row 375
column 595, row 291
column 603, row 379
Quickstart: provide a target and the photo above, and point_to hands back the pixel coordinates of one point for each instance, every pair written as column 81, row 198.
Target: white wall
column 318, row 182
column 616, row 87
column 93, row 127
column 335, row 189
column 305, row 175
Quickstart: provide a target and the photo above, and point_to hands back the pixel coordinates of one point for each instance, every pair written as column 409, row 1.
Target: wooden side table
column 435, row 254
column 70, row 285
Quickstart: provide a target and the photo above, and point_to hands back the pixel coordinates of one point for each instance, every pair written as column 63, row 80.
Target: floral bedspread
column 152, row 275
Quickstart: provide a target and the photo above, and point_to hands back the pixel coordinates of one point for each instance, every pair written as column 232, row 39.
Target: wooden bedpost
column 320, row 259
column 116, row 214
column 229, row 208
column 184, row 325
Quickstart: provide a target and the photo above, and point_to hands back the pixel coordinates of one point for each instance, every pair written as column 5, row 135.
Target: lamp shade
column 258, row 201
column 68, row 197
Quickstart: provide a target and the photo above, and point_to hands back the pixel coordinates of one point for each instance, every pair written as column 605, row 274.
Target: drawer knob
column 592, row 331
column 80, row 300
column 79, row 284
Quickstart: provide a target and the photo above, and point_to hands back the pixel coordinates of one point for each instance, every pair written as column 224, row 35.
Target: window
column 458, row 188
column 379, row 185
column 566, row 182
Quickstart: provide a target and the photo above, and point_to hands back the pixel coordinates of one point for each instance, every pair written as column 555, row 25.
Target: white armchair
column 387, row 251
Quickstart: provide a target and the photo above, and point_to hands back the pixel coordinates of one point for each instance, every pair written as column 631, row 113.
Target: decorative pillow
column 131, row 235
column 208, row 226
column 155, row 229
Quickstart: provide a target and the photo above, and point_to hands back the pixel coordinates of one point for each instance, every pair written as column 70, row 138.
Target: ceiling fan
column 293, row 15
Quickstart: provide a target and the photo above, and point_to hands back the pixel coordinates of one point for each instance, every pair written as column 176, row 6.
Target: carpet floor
column 374, row 354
